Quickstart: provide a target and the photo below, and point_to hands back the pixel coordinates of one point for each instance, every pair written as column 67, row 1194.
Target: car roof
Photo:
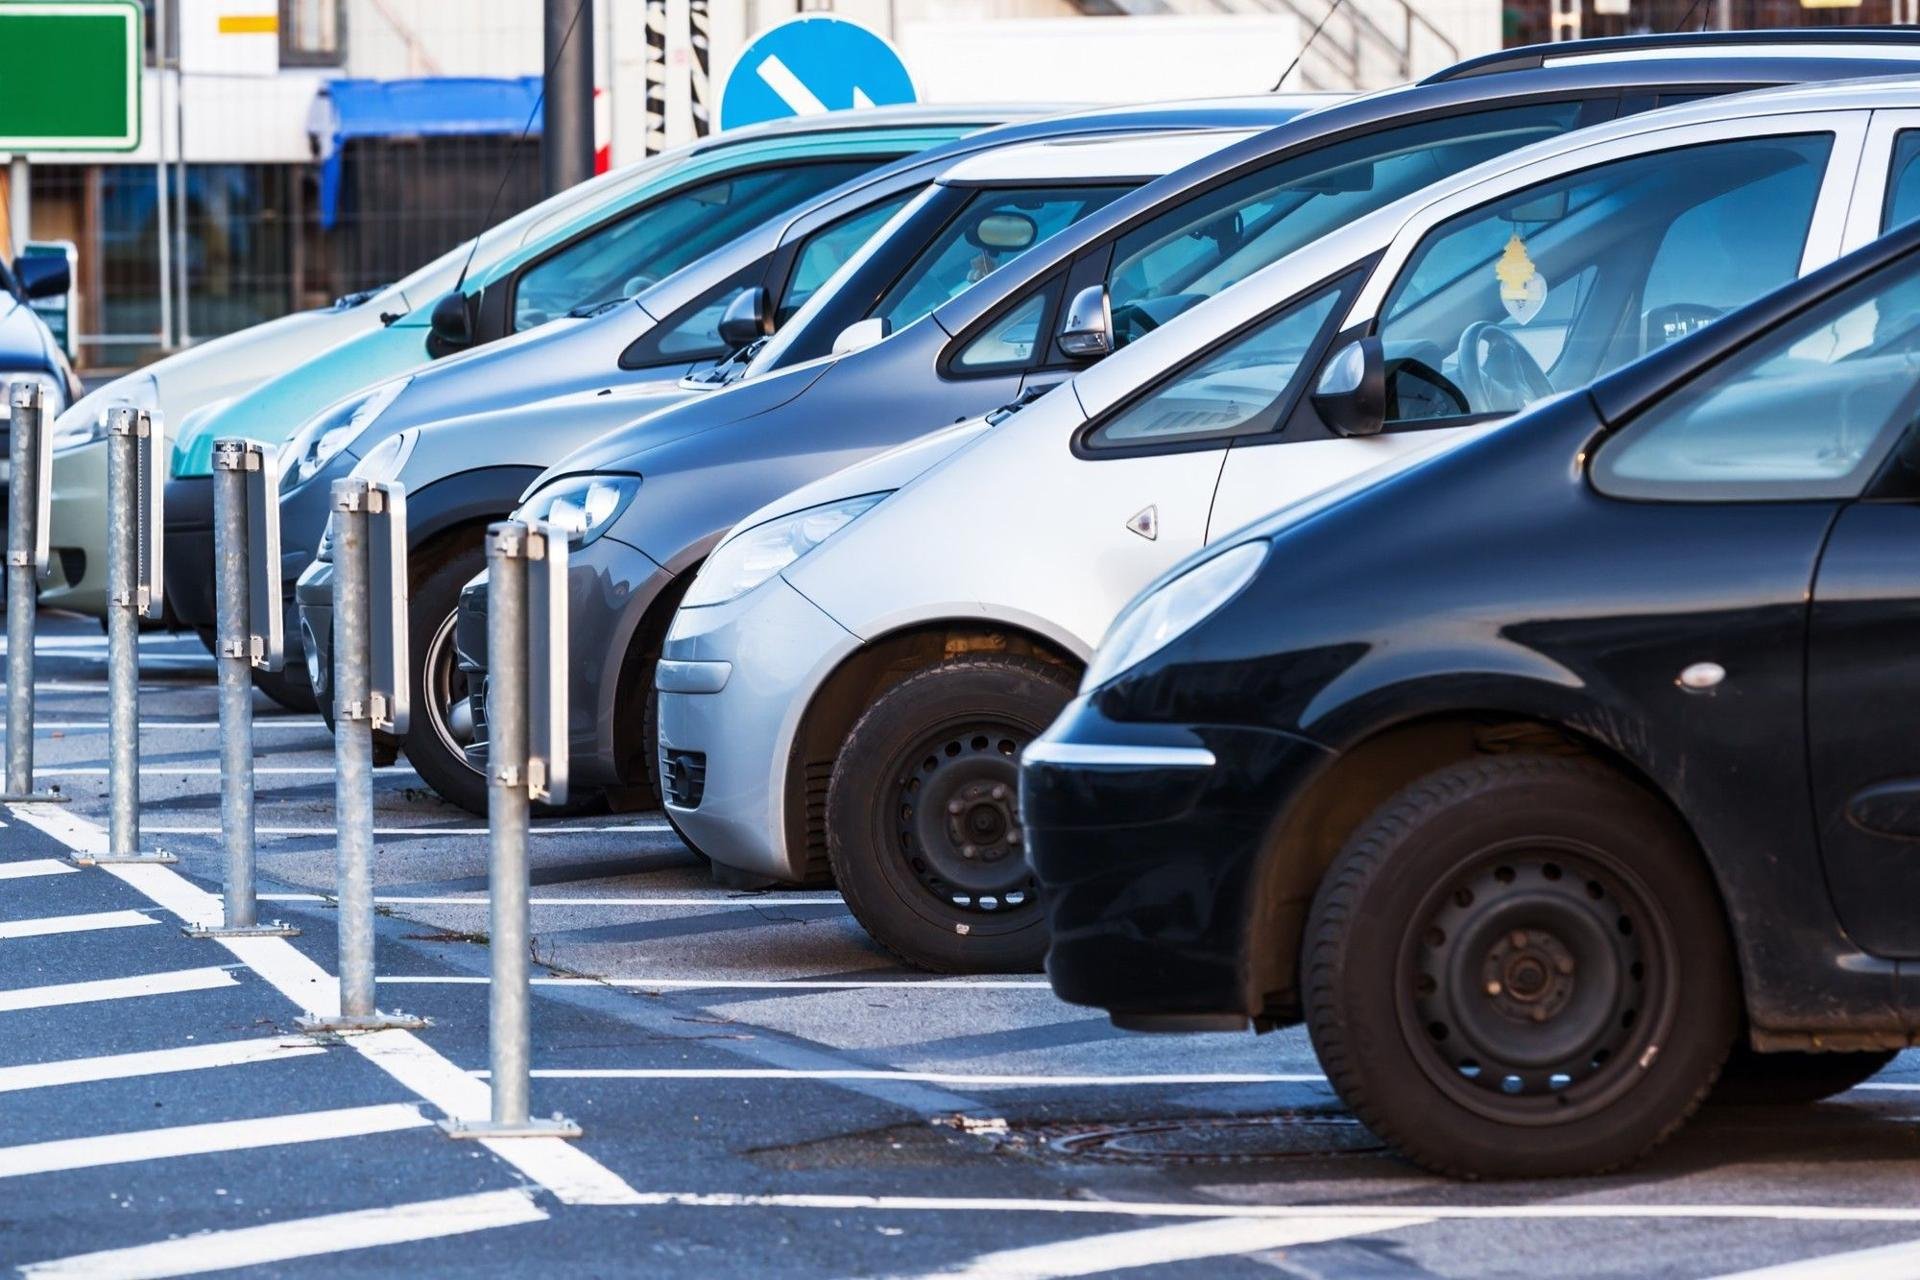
column 1132, row 155
column 909, row 116
column 1619, row 394
column 1119, row 374
column 1710, row 73
column 1864, row 41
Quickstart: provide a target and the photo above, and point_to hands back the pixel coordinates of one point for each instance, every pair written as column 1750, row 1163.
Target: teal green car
column 641, row 232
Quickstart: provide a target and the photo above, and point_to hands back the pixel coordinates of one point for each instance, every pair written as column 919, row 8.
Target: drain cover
column 1289, row 1135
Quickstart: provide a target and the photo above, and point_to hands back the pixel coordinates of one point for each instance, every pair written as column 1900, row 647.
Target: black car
column 1543, row 776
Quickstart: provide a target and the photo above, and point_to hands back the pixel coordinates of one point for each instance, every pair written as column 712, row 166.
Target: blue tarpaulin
column 440, row 106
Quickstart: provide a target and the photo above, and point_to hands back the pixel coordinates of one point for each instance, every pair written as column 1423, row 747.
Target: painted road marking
column 147, row 984
column 569, row 1173
column 207, row 1139
column 213, row 829
column 46, row 926
column 121, row 1066
column 1889, row 1262
column 916, row 1077
column 745, row 984
column 259, row 722
column 663, row 900
column 303, row 1238
column 207, row 771
column 1159, row 1246
column 36, row 867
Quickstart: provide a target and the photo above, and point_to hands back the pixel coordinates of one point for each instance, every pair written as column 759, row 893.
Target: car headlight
column 751, row 556
column 50, row 387
column 387, row 459
column 1156, row 620
column 585, row 506
column 325, row 434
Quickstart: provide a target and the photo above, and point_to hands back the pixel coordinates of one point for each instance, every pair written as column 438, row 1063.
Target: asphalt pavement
column 762, row 1092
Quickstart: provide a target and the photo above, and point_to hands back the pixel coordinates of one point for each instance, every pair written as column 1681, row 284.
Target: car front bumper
column 1146, row 839
column 78, row 531
column 734, row 681
column 610, row 588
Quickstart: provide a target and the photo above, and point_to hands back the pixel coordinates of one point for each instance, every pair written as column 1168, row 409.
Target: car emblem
column 1146, row 523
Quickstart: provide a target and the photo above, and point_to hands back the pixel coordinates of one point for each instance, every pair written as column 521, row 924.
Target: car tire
column 1793, row 1079
column 432, row 610
column 1443, row 962
column 923, row 831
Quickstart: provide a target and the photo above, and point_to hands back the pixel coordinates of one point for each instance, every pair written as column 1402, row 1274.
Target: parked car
column 849, row 684
column 1144, row 258
column 1534, row 777
column 28, row 351
column 626, row 243
column 189, row 387
column 463, row 473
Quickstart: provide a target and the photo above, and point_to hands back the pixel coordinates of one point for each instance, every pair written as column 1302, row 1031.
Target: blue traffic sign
column 809, row 65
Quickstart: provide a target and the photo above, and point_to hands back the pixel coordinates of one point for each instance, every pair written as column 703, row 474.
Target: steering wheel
column 1676, row 320
column 1503, row 376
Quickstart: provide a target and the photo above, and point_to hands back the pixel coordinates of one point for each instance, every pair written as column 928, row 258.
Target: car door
column 1541, row 280
column 1888, row 189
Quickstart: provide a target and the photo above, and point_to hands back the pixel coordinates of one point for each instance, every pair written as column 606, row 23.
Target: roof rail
column 1527, row 57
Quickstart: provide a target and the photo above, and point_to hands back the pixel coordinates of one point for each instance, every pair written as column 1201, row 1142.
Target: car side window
column 1903, row 181
column 1011, row 341
column 828, row 249
column 620, row 259
column 1242, row 386
column 1808, row 411
column 1610, row 263
column 1225, row 234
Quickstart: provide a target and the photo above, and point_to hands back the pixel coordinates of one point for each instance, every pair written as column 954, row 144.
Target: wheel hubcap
column 1530, row 981
column 959, row 818
column 446, row 684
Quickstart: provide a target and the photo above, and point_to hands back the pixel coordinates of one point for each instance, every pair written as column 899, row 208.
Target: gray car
column 994, row 201
column 687, row 474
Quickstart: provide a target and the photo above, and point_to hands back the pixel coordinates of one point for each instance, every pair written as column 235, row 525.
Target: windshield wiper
column 1016, row 404
column 731, row 369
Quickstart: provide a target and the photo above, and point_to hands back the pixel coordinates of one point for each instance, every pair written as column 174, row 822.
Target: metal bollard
column 134, row 590
column 28, row 495
column 526, row 575
column 357, row 704
column 246, row 576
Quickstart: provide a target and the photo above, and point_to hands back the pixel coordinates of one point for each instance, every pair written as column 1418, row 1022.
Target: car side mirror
column 1351, row 396
column 452, row 322
column 43, row 275
column 1086, row 333
column 862, row 334
column 748, row 318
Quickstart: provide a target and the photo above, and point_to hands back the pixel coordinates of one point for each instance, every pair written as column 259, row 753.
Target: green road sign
column 70, row 75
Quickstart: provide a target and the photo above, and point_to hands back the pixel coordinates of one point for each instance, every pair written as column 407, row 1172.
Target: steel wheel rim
column 1537, row 983
column 957, row 790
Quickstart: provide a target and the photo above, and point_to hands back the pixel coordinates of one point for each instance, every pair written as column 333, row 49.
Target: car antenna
column 1687, row 17
column 506, row 170
column 1331, row 10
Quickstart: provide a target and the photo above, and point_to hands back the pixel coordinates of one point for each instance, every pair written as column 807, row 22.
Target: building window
column 312, row 33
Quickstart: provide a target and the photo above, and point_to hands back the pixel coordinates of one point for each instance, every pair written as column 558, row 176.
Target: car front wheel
column 434, row 739
column 1519, row 967
column 923, row 817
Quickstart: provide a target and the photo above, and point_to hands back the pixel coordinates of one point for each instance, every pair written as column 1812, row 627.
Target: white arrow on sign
column 787, row 87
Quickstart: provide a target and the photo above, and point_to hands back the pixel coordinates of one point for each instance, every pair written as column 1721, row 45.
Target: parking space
column 762, row 1091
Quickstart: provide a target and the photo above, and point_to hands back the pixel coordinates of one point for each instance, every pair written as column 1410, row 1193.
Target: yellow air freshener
column 1523, row 290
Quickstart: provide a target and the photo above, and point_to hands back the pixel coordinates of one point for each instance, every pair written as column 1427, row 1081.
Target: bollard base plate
column 157, row 857
column 271, row 929
column 35, row 797
column 558, row 1127
column 318, row 1024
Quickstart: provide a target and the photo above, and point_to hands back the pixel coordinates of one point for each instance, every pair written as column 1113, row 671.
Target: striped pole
column 701, row 73
column 656, row 77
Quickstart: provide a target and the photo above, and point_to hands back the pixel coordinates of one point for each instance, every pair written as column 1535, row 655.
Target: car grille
column 683, row 777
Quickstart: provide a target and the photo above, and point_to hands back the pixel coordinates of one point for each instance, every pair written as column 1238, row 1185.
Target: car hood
column 564, row 355
column 626, row 448
column 882, row 473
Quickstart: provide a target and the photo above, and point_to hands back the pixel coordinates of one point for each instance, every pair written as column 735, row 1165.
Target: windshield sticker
column 1523, row 290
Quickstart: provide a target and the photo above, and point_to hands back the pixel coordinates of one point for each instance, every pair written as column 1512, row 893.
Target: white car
column 849, row 682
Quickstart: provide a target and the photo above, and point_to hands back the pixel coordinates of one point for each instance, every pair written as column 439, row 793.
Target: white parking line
column 1158, row 1246
column 1889, row 1262
column 206, row 1139
column 156, row 726
column 213, row 829
column 46, row 926
column 154, row 1062
column 208, row 770
column 916, row 1077
column 301, row 1238
column 147, row 984
column 36, row 867
column 661, row 900
column 570, row 1174
column 746, row 984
